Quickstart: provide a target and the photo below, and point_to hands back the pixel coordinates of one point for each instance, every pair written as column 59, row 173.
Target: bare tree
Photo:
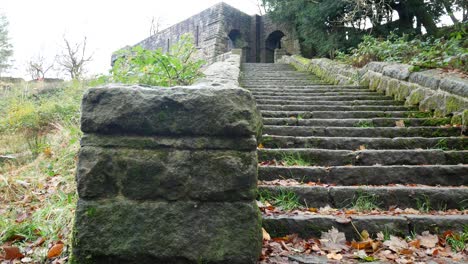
column 156, row 24
column 39, row 66
column 74, row 58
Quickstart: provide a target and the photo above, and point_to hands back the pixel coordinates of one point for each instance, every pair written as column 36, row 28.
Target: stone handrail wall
column 168, row 175
column 432, row 90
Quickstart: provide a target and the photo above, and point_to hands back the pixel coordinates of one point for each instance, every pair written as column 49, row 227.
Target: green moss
column 419, row 115
column 436, row 122
column 453, row 105
column 415, row 97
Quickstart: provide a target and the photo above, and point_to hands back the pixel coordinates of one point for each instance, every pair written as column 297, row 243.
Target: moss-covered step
column 327, row 157
column 386, row 132
column 403, row 225
column 326, row 97
column 354, row 143
column 330, row 103
column 344, row 114
column 444, row 175
column 270, row 107
column 260, row 86
column 423, row 198
column 369, row 122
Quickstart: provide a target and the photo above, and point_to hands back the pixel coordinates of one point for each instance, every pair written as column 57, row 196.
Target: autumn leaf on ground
column 400, row 123
column 12, row 253
column 333, row 240
column 55, row 250
column 334, row 256
column 427, row 240
column 396, row 244
column 260, row 146
column 266, row 236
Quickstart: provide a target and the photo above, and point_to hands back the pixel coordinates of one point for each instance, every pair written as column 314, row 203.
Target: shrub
column 419, row 52
column 154, row 67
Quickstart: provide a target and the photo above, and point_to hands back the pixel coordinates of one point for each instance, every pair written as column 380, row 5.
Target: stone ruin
column 221, row 28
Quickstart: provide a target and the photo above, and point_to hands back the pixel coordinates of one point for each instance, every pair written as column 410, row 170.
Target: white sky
column 37, row 26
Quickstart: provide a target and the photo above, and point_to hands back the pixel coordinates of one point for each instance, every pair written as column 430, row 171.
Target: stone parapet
column 432, row 90
column 168, row 175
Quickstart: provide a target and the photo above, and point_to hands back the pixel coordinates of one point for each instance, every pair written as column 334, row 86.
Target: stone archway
column 272, row 43
column 235, row 40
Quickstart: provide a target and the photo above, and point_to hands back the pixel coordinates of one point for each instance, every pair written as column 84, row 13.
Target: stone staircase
column 353, row 143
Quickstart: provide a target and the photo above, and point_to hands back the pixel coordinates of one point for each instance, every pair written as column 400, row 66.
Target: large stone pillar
column 167, row 175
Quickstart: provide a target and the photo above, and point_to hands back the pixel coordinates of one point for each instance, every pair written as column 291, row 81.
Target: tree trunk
column 450, row 11
column 424, row 16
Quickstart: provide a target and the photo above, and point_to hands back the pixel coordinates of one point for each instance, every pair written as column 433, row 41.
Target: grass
column 286, row 200
column 423, row 204
column 442, row 144
column 37, row 187
column 458, row 241
column 364, row 124
column 365, row 201
column 295, row 159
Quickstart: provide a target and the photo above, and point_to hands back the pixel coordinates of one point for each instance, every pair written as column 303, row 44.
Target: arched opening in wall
column 273, row 42
column 236, row 41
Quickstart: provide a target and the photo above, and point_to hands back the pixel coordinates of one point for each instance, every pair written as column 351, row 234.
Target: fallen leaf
column 12, row 253
column 55, row 251
column 20, row 218
column 364, row 235
column 361, row 245
column 333, row 240
column 362, row 147
column 427, row 240
column 266, row 236
column 396, row 244
column 415, row 243
column 343, row 220
column 260, row 146
column 400, row 123
column 334, row 256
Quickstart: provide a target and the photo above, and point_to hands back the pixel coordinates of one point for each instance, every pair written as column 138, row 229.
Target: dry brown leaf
column 55, row 251
column 427, row 240
column 361, row 245
column 343, row 220
column 260, row 146
column 335, row 256
column 415, row 243
column 266, row 236
column 12, row 253
column 396, row 244
column 333, row 240
column 400, row 123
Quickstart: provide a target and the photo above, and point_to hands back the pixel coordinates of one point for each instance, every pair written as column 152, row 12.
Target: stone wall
column 432, row 90
column 211, row 30
column 169, row 175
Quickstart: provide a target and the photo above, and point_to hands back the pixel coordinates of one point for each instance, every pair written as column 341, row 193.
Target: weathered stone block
column 430, row 78
column 455, row 85
column 174, row 111
column 123, row 231
column 167, row 174
column 397, row 71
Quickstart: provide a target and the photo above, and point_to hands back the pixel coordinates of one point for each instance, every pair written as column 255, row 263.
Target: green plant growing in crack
column 442, row 144
column 364, row 124
column 295, row 159
column 458, row 241
column 363, row 201
column 287, row 200
column 423, row 204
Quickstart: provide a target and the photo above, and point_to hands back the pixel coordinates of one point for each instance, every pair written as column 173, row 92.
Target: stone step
column 316, row 93
column 271, row 107
column 370, row 122
column 343, row 114
column 312, row 92
column 307, row 87
column 354, row 143
column 325, row 98
column 281, row 83
column 327, row 157
column 382, row 132
column 384, row 197
column 345, row 103
column 402, row 225
column 259, row 78
column 433, row 175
